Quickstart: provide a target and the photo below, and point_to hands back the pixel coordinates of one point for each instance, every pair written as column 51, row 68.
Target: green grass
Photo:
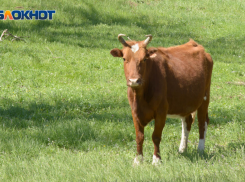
column 64, row 114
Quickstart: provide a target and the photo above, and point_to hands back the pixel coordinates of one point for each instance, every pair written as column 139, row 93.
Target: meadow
column 64, row 113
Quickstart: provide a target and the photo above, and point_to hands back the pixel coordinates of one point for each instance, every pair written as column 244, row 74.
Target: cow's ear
column 152, row 51
column 116, row 52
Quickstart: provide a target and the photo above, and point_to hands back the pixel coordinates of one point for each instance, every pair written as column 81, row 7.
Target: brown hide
column 170, row 81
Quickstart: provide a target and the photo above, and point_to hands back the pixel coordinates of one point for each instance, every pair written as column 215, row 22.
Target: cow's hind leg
column 203, row 122
column 186, row 127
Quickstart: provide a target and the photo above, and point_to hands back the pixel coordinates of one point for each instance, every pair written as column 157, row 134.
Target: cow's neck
column 140, row 103
column 142, row 99
column 143, row 94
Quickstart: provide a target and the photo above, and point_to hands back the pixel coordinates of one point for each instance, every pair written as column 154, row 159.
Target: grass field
column 64, row 114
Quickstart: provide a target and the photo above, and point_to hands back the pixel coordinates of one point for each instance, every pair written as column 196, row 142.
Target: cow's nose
column 133, row 82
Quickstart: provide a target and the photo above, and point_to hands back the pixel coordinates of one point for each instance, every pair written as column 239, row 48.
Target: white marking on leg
column 184, row 137
column 156, row 160
column 201, row 144
column 138, row 159
column 205, row 98
column 135, row 48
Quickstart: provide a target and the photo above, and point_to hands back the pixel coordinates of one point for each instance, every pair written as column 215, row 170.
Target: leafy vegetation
column 64, row 114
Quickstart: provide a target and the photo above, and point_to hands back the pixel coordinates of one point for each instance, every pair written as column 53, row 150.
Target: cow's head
column 135, row 57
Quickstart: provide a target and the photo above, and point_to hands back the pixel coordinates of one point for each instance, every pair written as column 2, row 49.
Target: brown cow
column 166, row 82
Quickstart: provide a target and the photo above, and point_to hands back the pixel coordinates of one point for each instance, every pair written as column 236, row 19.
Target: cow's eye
column 144, row 59
column 124, row 59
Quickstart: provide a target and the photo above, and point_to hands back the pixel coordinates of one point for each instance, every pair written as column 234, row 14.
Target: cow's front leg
column 139, row 130
column 156, row 138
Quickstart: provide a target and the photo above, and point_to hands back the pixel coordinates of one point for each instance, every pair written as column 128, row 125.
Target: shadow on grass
column 236, row 146
column 76, row 123
column 219, row 153
column 87, row 17
column 226, row 49
column 66, row 124
column 42, row 112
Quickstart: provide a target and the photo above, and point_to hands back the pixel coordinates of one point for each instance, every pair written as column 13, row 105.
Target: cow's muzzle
column 135, row 82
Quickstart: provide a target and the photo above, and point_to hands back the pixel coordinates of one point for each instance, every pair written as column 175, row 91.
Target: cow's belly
column 178, row 111
column 185, row 106
column 185, row 99
column 174, row 116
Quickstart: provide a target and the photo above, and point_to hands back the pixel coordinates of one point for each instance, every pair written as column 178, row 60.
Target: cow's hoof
column 156, row 160
column 182, row 150
column 138, row 160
